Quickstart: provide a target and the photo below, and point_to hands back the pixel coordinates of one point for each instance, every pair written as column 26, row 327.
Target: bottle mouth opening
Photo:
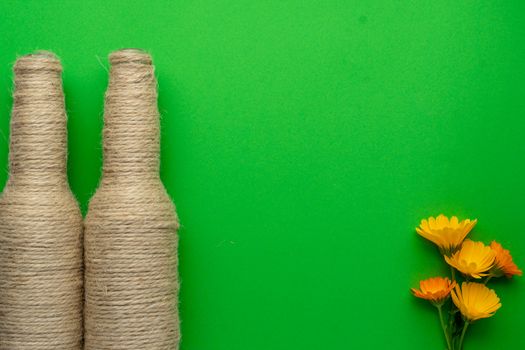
column 38, row 61
column 130, row 55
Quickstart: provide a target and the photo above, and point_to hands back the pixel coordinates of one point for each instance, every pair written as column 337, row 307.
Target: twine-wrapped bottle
column 131, row 282
column 40, row 221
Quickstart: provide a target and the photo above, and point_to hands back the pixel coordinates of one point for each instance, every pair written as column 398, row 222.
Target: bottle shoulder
column 40, row 202
column 138, row 200
column 60, row 194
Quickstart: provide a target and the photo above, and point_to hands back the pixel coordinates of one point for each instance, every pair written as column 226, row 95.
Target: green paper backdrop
column 302, row 142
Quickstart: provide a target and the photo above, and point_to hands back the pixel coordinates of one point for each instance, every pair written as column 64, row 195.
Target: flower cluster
column 477, row 264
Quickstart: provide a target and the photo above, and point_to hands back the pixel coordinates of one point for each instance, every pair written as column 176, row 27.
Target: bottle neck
column 38, row 140
column 131, row 118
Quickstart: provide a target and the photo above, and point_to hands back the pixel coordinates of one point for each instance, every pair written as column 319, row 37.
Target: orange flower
column 475, row 301
column 446, row 234
column 473, row 259
column 436, row 289
column 503, row 264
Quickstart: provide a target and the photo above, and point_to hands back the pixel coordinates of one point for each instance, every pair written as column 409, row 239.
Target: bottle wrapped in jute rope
column 131, row 281
column 40, row 221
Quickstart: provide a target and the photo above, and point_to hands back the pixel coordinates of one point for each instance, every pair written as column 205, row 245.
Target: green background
column 302, row 142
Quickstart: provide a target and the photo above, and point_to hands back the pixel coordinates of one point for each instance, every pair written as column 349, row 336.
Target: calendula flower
column 503, row 264
column 446, row 234
column 475, row 301
column 435, row 289
column 473, row 259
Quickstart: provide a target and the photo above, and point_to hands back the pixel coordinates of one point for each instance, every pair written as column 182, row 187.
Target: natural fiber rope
column 130, row 229
column 40, row 222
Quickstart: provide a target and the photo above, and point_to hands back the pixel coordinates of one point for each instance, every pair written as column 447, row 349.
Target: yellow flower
column 473, row 259
column 475, row 301
column 446, row 234
column 503, row 264
column 436, row 289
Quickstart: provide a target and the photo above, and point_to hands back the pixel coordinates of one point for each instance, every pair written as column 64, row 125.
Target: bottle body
column 40, row 269
column 131, row 269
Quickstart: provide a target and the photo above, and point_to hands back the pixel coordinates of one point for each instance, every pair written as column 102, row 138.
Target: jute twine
column 40, row 222
column 131, row 282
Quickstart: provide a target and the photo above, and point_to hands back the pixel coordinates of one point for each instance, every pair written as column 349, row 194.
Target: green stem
column 453, row 273
column 488, row 279
column 443, row 326
column 451, row 325
column 463, row 335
